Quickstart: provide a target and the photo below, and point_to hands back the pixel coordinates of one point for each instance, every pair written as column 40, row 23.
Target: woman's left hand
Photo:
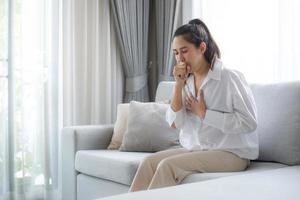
column 196, row 105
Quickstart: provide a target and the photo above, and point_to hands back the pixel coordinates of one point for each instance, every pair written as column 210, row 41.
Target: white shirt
column 230, row 117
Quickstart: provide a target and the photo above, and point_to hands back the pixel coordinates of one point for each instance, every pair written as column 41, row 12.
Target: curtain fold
column 168, row 19
column 92, row 74
column 131, row 18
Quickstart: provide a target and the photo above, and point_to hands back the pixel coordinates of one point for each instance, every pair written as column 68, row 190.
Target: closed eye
column 184, row 51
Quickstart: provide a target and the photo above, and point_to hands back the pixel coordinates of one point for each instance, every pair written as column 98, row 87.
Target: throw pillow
column 148, row 130
column 120, row 126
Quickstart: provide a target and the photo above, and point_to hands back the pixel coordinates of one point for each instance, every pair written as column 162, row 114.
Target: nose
column 179, row 57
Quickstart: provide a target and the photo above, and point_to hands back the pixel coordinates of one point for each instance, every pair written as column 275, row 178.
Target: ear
column 202, row 47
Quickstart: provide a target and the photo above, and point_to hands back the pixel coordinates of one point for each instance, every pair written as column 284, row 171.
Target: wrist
column 179, row 84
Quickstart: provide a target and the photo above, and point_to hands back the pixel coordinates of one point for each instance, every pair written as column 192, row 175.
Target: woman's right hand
column 180, row 72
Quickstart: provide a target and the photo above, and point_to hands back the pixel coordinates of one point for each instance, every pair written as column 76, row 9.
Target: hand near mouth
column 181, row 71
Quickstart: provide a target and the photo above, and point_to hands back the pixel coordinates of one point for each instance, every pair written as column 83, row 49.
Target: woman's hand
column 196, row 105
column 180, row 72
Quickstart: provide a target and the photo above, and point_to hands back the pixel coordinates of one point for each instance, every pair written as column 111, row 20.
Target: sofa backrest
column 278, row 109
column 164, row 91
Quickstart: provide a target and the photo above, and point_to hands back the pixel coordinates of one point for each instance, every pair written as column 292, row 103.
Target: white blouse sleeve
column 176, row 117
column 243, row 119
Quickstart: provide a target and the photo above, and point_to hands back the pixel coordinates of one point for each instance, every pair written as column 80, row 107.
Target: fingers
column 200, row 96
column 179, row 71
column 189, row 98
column 188, row 106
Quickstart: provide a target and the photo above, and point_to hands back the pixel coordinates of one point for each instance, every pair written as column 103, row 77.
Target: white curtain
column 92, row 74
column 257, row 37
column 28, row 103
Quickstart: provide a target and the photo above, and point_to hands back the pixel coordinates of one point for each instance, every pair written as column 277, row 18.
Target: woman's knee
column 164, row 164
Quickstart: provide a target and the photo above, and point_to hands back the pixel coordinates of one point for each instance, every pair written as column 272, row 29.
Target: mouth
column 181, row 63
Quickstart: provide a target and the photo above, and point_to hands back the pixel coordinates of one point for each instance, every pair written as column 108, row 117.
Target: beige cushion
column 147, row 128
column 120, row 126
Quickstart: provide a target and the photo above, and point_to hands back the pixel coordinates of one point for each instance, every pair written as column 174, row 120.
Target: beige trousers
column 170, row 167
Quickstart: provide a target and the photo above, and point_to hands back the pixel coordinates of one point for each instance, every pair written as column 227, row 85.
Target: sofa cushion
column 278, row 122
column 111, row 165
column 147, row 128
column 121, row 167
column 254, row 167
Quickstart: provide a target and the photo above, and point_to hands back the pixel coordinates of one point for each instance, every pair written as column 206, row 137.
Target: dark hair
column 196, row 32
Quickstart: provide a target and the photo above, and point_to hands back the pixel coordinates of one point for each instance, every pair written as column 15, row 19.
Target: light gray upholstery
column 277, row 184
column 121, row 167
column 111, row 165
column 74, row 139
column 147, row 128
column 164, row 91
column 278, row 127
column 254, row 167
column 89, row 187
column 100, row 172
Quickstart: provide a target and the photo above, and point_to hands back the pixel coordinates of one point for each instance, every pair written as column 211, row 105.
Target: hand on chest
column 216, row 96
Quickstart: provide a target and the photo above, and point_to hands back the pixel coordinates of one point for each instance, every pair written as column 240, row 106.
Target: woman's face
column 188, row 53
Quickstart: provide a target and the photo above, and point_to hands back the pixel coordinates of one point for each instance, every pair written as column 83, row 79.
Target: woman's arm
column 176, row 102
column 174, row 115
column 180, row 73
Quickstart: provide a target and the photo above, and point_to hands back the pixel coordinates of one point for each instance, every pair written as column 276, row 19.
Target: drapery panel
column 168, row 19
column 131, row 18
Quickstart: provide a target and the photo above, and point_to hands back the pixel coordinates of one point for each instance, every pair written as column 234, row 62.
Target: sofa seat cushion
column 121, row 167
column 254, row 167
column 111, row 165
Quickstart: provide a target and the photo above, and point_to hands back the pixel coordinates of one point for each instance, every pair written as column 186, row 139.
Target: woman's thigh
column 207, row 161
column 155, row 158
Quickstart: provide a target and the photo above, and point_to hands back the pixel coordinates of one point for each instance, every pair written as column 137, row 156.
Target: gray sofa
column 90, row 171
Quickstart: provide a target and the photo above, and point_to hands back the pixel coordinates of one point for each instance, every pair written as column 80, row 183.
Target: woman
column 214, row 109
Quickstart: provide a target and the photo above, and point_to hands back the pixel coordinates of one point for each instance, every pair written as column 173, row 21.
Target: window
column 258, row 38
column 28, row 98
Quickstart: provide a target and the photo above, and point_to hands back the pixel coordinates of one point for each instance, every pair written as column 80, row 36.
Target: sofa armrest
column 77, row 138
column 87, row 137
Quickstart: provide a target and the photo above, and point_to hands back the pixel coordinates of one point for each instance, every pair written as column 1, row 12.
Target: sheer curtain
column 92, row 74
column 258, row 38
column 28, row 100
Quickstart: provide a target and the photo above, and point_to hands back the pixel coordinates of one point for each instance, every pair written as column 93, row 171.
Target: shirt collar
column 215, row 72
